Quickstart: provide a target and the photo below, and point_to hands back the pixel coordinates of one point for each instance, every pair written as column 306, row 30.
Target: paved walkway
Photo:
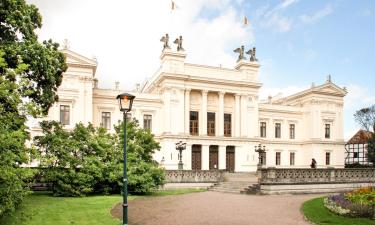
column 214, row 208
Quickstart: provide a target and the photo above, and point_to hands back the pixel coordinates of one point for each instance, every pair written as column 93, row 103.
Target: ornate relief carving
column 295, row 176
column 193, row 176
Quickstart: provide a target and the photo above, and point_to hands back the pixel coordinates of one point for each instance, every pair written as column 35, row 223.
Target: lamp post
column 261, row 152
column 125, row 102
column 180, row 147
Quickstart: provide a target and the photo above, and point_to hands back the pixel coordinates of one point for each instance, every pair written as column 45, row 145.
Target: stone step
column 226, row 190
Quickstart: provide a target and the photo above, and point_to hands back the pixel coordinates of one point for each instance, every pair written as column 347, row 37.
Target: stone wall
column 277, row 181
column 194, row 176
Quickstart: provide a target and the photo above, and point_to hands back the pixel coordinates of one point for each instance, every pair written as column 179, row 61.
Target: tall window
column 292, row 158
column 227, row 125
column 292, row 131
column 106, row 120
column 147, row 122
column 328, row 131
column 64, row 114
column 194, row 123
column 277, row 130
column 210, row 124
column 328, row 158
column 263, row 129
column 278, row 158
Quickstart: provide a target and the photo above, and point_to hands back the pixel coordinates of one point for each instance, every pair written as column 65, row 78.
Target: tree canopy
column 30, row 73
column 90, row 160
column 366, row 118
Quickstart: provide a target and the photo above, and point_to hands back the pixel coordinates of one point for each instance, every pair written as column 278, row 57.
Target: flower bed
column 356, row 203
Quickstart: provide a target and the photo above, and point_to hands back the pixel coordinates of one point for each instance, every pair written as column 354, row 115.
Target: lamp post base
column 180, row 166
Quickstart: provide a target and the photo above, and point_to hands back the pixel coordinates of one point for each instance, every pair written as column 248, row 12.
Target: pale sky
column 298, row 42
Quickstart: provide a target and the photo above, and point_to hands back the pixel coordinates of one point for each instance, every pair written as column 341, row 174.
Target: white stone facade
column 179, row 87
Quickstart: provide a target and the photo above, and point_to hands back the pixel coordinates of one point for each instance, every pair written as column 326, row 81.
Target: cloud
column 365, row 12
column 280, row 92
column 124, row 35
column 358, row 97
column 273, row 18
column 320, row 14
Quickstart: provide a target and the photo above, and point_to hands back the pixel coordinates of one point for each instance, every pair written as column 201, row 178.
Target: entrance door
column 230, row 159
column 196, row 157
column 214, row 157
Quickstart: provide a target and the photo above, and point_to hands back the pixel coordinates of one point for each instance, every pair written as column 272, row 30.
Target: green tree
column 143, row 172
column 90, row 160
column 30, row 73
column 371, row 149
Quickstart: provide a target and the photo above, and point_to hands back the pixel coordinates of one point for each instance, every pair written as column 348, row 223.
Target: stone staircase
column 240, row 183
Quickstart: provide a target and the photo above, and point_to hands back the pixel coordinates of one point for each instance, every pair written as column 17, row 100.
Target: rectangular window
column 328, row 158
column 292, row 158
column 277, row 130
column 292, row 130
column 328, row 131
column 65, row 114
column 355, row 154
column 278, row 158
column 147, row 122
column 106, row 120
column 263, row 129
column 210, row 124
column 227, row 125
column 194, row 123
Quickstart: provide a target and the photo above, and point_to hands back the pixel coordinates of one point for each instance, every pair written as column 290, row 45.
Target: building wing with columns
column 215, row 110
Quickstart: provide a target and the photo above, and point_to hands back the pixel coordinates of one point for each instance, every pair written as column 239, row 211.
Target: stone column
column 221, row 114
column 222, row 157
column 187, row 157
column 203, row 116
column 237, row 115
column 187, row 111
column 167, row 110
column 244, row 118
column 205, row 157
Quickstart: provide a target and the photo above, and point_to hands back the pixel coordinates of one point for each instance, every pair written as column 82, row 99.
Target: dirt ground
column 214, row 208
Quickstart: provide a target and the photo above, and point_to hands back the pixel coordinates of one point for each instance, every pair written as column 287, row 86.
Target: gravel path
column 214, row 208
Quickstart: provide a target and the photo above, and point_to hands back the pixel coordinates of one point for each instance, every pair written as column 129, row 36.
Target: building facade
column 215, row 110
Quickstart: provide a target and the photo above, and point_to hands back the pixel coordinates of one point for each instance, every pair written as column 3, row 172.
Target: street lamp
column 180, row 147
column 125, row 101
column 261, row 151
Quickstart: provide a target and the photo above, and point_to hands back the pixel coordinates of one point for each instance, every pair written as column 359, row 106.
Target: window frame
column 211, row 124
column 277, row 130
column 292, row 131
column 194, row 124
column 278, row 159
column 63, row 112
column 327, row 131
column 328, row 159
column 263, row 133
column 147, row 121
column 106, row 126
column 228, row 125
column 292, row 160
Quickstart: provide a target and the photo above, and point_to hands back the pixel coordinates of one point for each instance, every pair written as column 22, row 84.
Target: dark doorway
column 230, row 159
column 196, row 157
column 214, row 157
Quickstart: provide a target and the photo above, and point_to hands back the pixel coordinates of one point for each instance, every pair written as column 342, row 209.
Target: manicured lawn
column 43, row 209
column 315, row 212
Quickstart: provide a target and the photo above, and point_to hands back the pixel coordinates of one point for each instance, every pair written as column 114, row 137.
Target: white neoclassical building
column 215, row 110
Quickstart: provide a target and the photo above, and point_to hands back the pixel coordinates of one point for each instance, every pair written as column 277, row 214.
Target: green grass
column 315, row 212
column 44, row 209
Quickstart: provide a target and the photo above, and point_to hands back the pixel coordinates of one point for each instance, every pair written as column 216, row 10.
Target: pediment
column 75, row 58
column 331, row 89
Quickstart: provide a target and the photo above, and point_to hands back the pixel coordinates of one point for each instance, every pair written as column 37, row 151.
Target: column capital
column 187, row 89
column 237, row 95
column 204, row 92
column 221, row 93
